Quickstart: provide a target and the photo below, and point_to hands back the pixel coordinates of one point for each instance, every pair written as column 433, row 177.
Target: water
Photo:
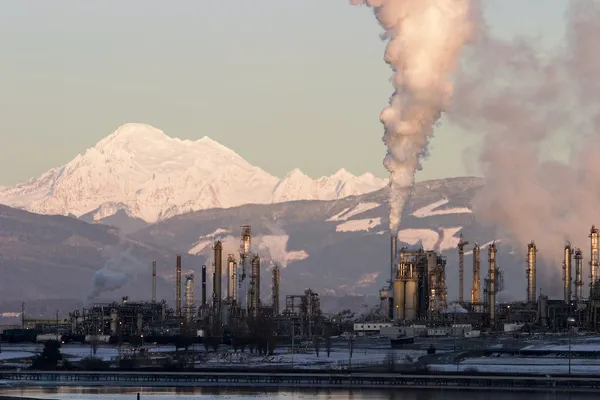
column 81, row 393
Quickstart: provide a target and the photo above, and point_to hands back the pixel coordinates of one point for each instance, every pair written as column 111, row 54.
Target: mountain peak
column 342, row 174
column 133, row 132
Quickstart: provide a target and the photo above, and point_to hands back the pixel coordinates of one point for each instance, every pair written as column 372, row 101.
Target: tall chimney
column 594, row 258
column 492, row 285
column 154, row 281
column 178, row 287
column 393, row 255
column 568, row 276
column 204, row 285
column 578, row 275
column 461, row 269
column 531, row 272
column 217, row 289
column 475, row 298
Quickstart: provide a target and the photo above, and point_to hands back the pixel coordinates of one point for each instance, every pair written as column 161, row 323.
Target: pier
column 293, row 380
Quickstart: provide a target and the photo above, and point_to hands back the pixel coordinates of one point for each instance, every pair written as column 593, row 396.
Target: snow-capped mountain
column 148, row 175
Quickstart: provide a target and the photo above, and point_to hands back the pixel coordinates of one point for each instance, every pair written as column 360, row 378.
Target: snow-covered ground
column 349, row 212
column 430, row 210
column 358, row 225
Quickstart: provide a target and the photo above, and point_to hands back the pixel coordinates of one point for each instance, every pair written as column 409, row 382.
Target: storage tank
column 398, row 300
column 410, row 300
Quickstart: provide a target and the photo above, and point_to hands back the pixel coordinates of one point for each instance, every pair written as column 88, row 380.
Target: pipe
column 276, row 280
column 218, row 285
column 492, row 285
column 461, row 269
column 578, row 275
column 568, row 276
column 231, row 278
column 594, row 258
column 154, row 281
column 204, row 285
column 475, row 298
column 531, row 272
column 178, row 286
column 255, row 286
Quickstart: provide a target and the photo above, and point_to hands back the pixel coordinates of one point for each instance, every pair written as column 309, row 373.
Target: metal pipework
column 189, row 297
column 255, row 286
column 531, row 272
column 594, row 257
column 232, row 278
column 154, row 281
column 475, row 298
column 218, row 285
column 178, row 286
column 578, row 275
column 492, row 284
column 276, row 280
column 204, row 285
column 461, row 269
column 567, row 277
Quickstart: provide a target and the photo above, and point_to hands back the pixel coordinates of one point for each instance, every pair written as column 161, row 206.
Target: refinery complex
column 416, row 296
column 417, row 291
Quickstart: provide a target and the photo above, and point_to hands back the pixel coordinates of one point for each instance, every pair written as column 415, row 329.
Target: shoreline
column 298, row 380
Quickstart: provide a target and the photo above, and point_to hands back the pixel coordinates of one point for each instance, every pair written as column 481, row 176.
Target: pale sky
column 284, row 83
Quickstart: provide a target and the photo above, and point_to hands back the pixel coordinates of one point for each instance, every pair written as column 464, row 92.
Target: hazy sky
column 284, row 83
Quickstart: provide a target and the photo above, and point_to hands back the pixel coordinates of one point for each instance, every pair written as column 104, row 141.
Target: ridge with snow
column 148, row 175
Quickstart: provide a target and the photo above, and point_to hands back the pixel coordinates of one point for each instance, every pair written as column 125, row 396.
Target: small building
column 370, row 327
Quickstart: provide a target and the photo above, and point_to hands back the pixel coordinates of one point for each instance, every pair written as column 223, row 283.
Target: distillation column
column 154, row 281
column 178, row 286
column 218, row 285
column 255, row 286
column 189, row 297
column 531, row 272
column 461, row 269
column 276, row 280
column 204, row 285
column 568, row 276
column 578, row 275
column 492, row 285
column 232, row 279
column 475, row 298
column 594, row 258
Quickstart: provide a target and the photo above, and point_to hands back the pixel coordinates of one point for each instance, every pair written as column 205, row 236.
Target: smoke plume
column 425, row 41
column 527, row 104
column 120, row 269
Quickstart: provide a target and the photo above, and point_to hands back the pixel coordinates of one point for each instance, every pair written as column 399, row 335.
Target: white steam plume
column 527, row 103
column 120, row 269
column 425, row 41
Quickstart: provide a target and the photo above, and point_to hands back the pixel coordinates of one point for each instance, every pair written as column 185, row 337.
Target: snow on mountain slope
column 433, row 209
column 145, row 173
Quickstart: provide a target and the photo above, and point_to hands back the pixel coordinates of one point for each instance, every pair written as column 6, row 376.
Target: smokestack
column 568, row 276
column 422, row 85
column 255, row 286
column 531, row 272
column 578, row 275
column 217, row 289
column 393, row 255
column 154, row 281
column 461, row 269
column 492, row 285
column 594, row 259
column 204, row 285
column 178, row 287
column 475, row 295
column 276, row 280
